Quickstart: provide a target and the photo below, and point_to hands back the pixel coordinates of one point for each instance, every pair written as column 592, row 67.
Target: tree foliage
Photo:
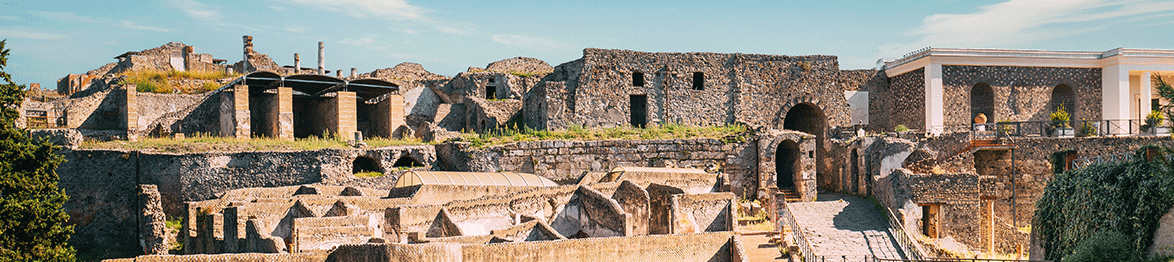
column 32, row 223
column 1126, row 198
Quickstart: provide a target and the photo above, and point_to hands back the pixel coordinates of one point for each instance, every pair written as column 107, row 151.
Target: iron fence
column 1105, row 159
column 788, row 217
column 1107, row 127
column 908, row 245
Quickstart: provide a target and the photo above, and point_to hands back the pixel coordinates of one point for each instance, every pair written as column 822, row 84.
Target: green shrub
column 1104, row 246
column 900, row 128
column 1128, row 198
column 1060, row 117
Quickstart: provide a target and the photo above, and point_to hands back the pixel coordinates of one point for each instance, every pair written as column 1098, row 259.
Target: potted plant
column 1060, row 126
column 1089, row 128
column 1153, row 123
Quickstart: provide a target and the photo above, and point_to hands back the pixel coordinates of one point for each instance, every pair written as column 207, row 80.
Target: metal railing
column 1108, row 127
column 1105, row 159
column 786, row 216
column 908, row 245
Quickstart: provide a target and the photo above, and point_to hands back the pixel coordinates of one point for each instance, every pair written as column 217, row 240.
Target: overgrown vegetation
column 516, row 133
column 32, row 224
column 524, row 74
column 206, row 143
column 369, row 174
column 164, row 82
column 900, row 128
column 1081, row 208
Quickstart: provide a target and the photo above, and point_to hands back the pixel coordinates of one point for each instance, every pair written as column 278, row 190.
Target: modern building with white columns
column 951, row 86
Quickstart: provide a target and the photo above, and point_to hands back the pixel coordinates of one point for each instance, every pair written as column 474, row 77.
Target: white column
column 1146, row 93
column 934, row 105
column 1115, row 99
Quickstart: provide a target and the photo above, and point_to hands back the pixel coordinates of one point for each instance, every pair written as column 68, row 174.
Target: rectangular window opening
column 490, row 92
column 698, row 81
column 929, row 220
column 637, row 79
column 639, row 110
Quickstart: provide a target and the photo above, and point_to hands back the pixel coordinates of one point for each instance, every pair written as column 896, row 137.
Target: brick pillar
column 387, row 116
column 284, row 109
column 346, row 121
column 234, row 112
column 131, row 110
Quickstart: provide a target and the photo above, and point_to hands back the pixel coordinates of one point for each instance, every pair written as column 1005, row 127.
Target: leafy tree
column 32, row 223
column 1167, row 92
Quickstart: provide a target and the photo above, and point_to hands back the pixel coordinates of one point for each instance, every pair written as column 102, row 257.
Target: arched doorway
column 982, row 100
column 1062, row 96
column 809, row 118
column 786, row 164
column 364, row 164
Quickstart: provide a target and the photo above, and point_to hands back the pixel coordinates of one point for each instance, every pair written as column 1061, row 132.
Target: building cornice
column 1017, row 57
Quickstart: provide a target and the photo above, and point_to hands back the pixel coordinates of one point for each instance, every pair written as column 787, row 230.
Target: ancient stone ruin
column 904, row 134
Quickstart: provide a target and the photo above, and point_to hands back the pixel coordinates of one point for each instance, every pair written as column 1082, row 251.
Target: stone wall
column 714, row 247
column 736, row 88
column 696, row 213
column 905, row 100
column 1020, row 93
column 565, row 161
column 102, row 183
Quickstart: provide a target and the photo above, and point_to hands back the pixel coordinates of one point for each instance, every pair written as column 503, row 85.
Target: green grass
column 208, row 143
column 163, row 82
column 524, row 74
column 667, row 131
column 369, row 174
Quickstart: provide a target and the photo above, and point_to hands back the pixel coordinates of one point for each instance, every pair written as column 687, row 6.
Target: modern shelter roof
column 317, row 85
column 412, row 178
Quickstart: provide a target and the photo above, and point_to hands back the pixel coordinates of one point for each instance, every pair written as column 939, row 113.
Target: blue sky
column 50, row 39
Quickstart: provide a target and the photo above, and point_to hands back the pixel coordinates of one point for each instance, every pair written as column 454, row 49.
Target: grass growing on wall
column 207, row 143
column 666, row 131
column 164, row 82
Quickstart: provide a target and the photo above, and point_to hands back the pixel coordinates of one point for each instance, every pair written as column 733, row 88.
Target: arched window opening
column 982, row 101
column 365, row 164
column 1062, row 96
column 406, row 162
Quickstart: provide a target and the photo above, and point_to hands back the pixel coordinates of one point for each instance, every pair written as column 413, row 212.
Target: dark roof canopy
column 317, row 85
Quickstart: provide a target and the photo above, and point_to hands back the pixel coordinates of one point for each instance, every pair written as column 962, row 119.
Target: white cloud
column 387, row 9
column 368, row 41
column 295, row 29
column 195, row 9
column 1017, row 23
column 65, row 16
column 395, row 10
column 10, row 32
column 132, row 25
column 532, row 42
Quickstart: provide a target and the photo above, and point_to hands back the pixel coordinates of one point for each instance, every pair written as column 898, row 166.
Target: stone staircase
column 790, row 194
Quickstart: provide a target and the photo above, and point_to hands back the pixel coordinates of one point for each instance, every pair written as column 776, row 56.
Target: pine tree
column 32, row 223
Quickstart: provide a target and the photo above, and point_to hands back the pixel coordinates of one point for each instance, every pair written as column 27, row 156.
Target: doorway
column 786, row 164
column 639, row 110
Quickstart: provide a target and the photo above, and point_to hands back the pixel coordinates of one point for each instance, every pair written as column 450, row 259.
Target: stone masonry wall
column 1020, row 93
column 565, row 161
column 102, row 184
column 906, row 101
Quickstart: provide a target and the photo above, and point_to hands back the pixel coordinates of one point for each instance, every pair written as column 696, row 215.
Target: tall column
column 340, row 113
column 297, row 63
column 934, row 101
column 131, row 111
column 285, row 113
column 1145, row 93
column 1115, row 99
column 321, row 58
column 354, row 72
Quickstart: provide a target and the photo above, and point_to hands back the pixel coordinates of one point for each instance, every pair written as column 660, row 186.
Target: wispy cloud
column 76, row 18
column 65, row 16
column 8, row 17
column 295, row 29
column 368, row 41
column 1017, row 23
column 196, row 10
column 13, row 32
column 395, row 10
column 532, row 42
column 132, row 25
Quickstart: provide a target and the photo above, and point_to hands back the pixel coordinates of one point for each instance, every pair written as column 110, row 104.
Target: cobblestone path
column 839, row 225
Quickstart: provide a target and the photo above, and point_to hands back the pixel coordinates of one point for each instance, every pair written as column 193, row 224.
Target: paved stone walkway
column 845, row 225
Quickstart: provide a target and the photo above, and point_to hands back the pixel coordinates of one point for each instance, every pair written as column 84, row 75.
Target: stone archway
column 786, row 164
column 809, row 118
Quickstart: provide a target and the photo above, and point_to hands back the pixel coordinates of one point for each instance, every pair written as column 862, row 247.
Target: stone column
column 297, row 63
column 988, row 203
column 234, row 112
column 1145, row 93
column 1115, row 98
column 152, row 222
column 387, row 116
column 934, row 101
column 321, row 58
column 354, row 72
